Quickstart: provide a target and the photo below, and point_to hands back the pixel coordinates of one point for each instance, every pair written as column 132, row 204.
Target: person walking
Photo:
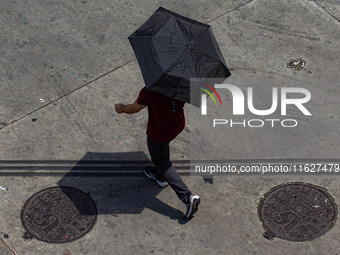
column 165, row 121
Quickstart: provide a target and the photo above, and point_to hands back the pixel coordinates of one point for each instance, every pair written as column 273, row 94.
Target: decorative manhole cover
column 59, row 214
column 297, row 212
column 296, row 64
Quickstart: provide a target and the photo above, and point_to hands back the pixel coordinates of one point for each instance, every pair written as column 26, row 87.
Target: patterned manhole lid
column 297, row 212
column 59, row 214
column 296, row 64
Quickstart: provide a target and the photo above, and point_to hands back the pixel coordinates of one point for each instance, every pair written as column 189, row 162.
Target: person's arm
column 129, row 108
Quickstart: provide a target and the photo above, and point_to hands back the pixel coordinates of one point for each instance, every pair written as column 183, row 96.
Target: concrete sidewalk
column 63, row 66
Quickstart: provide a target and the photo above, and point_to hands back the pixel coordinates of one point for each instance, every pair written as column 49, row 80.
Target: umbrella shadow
column 116, row 183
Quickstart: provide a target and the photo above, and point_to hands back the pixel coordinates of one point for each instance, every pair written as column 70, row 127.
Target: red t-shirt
column 163, row 124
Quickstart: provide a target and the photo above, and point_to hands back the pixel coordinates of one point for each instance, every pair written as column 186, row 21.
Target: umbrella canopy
column 171, row 49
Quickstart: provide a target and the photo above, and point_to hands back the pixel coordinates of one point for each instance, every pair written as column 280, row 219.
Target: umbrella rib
column 172, row 49
column 171, row 42
column 208, row 56
column 172, row 53
column 172, row 32
column 162, row 42
column 173, row 39
column 205, row 47
column 198, row 63
column 183, row 67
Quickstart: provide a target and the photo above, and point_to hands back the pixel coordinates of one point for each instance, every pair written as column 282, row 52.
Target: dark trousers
column 160, row 156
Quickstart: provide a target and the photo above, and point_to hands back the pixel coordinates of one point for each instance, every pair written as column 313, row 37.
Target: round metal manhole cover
column 297, row 212
column 59, row 214
column 296, row 64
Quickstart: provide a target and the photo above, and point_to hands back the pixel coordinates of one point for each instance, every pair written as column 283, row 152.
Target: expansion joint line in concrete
column 236, row 8
column 326, row 10
column 9, row 248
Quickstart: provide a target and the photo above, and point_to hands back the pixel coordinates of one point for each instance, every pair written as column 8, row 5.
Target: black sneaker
column 150, row 173
column 192, row 205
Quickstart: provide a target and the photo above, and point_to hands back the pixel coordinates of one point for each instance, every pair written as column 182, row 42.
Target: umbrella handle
column 173, row 105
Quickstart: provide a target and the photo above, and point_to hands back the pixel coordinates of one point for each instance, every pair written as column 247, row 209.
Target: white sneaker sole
column 194, row 203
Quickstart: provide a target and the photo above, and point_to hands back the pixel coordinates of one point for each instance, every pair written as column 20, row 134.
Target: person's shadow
column 117, row 184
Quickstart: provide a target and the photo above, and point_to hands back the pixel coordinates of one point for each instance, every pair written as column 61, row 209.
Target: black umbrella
column 171, row 49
